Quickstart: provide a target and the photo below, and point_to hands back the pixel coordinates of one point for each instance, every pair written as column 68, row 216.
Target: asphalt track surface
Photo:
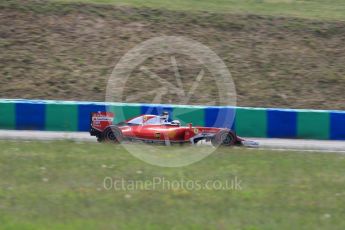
column 264, row 143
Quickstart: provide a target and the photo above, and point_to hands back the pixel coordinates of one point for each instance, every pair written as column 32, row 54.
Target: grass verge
column 59, row 185
column 316, row 9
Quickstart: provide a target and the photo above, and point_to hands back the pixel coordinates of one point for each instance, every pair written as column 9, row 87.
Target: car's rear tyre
column 112, row 134
column 224, row 138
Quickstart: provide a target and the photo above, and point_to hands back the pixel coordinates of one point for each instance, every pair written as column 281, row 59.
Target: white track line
column 299, row 144
column 45, row 135
column 264, row 143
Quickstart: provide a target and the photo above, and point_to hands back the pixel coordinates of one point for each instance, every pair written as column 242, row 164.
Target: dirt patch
column 68, row 51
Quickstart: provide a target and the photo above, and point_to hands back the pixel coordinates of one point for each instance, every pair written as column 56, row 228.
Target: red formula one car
column 158, row 129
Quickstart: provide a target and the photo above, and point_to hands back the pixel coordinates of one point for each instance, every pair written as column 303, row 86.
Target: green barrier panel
column 313, row 125
column 61, row 117
column 251, row 122
column 124, row 112
column 187, row 115
column 7, row 116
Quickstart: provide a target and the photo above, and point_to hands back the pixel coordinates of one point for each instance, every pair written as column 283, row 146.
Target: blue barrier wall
column 249, row 122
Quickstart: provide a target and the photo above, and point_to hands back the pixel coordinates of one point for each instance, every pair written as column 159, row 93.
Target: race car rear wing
column 101, row 120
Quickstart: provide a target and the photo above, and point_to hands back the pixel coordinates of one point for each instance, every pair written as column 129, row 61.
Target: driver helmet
column 176, row 122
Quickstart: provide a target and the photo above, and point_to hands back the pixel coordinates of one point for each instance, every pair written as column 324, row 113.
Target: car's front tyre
column 224, row 138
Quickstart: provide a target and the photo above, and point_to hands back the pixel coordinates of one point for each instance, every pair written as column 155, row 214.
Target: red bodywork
column 147, row 130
